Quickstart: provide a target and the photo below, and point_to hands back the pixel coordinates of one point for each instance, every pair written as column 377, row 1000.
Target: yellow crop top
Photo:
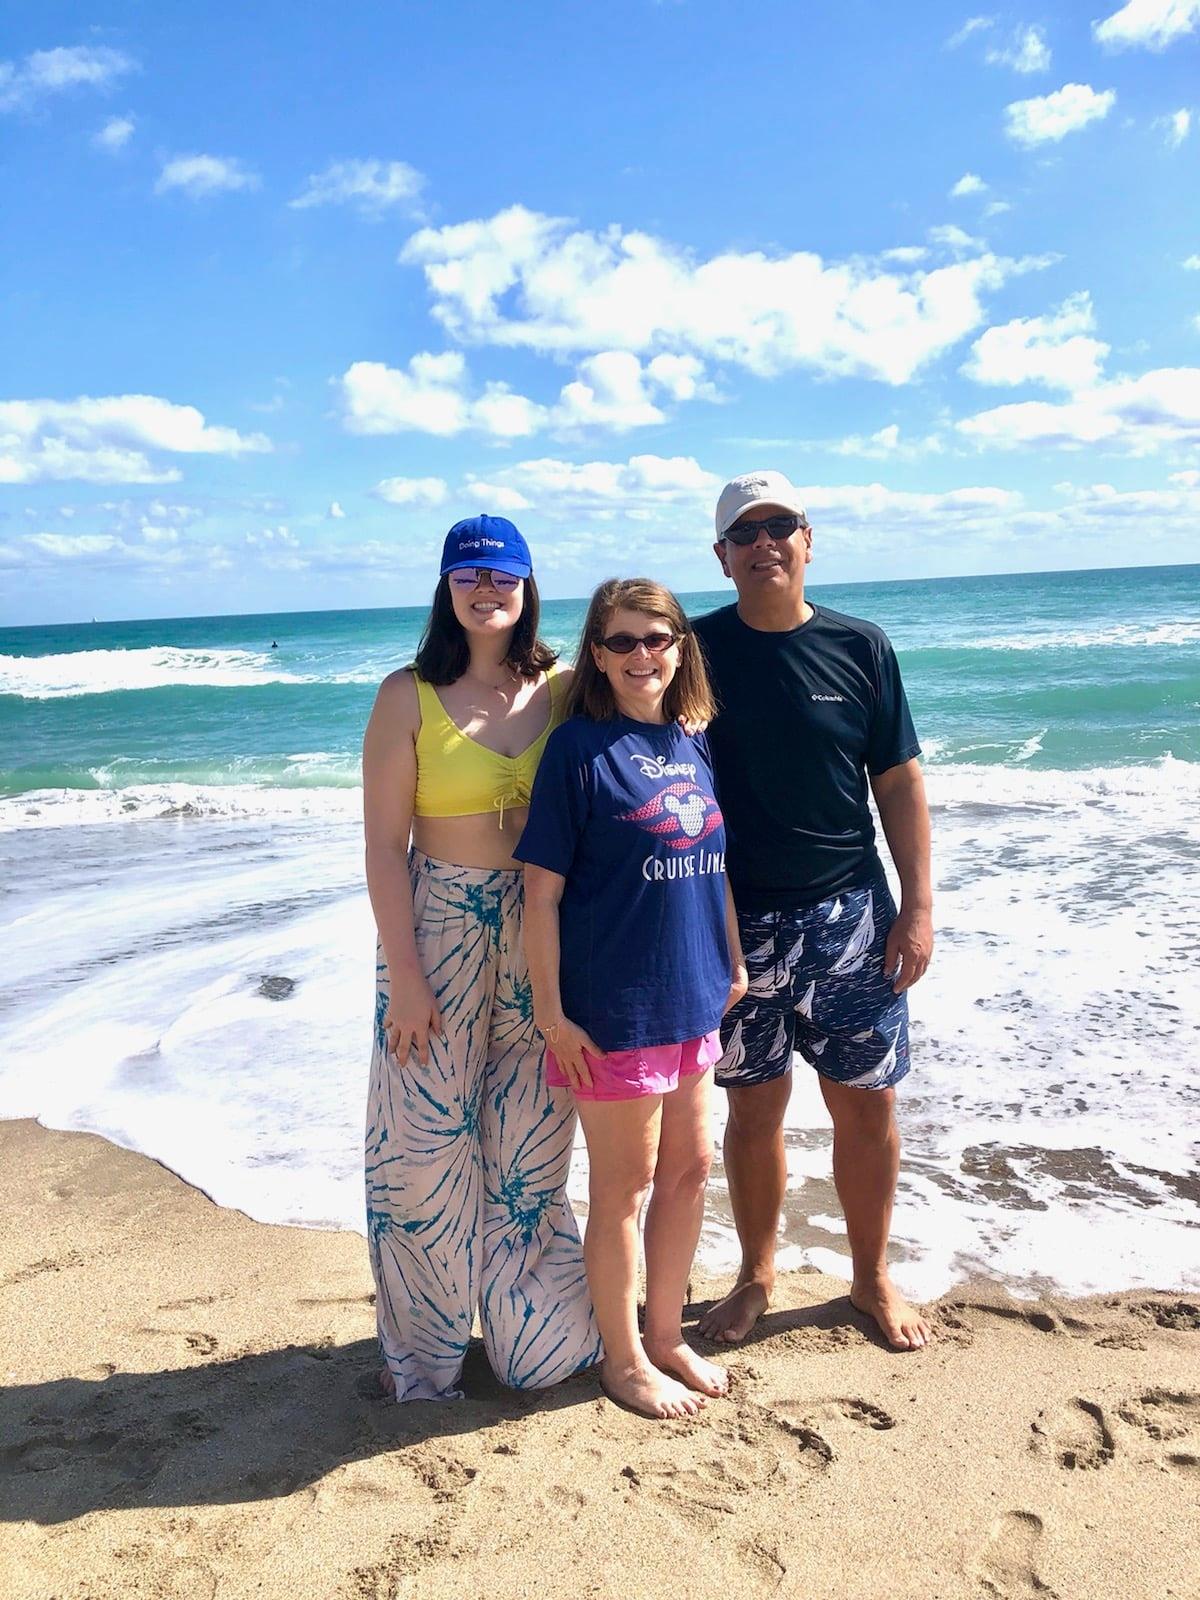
column 459, row 777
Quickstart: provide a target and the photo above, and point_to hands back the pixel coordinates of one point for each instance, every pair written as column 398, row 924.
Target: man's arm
column 900, row 796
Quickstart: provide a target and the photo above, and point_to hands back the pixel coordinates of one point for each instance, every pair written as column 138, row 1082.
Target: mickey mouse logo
column 679, row 814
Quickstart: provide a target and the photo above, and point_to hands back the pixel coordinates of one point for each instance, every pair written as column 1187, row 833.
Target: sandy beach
column 190, row 1411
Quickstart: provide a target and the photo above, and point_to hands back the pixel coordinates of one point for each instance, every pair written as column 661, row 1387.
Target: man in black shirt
column 811, row 711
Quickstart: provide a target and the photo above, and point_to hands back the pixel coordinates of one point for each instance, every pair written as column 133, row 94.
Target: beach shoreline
column 190, row 1409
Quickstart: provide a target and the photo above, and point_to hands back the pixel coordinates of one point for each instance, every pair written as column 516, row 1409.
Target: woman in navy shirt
column 634, row 958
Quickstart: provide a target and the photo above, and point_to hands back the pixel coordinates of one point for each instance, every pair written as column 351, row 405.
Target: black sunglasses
column 776, row 527
column 624, row 644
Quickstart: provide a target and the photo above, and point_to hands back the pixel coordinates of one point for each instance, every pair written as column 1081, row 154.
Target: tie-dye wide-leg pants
column 467, row 1159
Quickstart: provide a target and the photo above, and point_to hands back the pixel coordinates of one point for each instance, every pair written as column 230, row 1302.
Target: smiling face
column 768, row 567
column 640, row 679
column 484, row 610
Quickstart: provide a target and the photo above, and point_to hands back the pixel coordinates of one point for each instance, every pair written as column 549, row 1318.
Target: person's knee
column 867, row 1115
column 685, row 1174
column 619, row 1191
column 756, row 1111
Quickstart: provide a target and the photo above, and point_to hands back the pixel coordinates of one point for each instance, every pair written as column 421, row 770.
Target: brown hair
column 443, row 654
column 688, row 695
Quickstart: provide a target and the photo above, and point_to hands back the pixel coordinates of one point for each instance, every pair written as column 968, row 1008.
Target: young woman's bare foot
column 387, row 1383
column 902, row 1325
column 649, row 1392
column 682, row 1362
column 731, row 1319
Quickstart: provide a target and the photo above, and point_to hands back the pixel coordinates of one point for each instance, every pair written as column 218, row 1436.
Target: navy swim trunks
column 817, row 985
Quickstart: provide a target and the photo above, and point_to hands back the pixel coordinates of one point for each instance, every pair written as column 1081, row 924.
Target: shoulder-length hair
column 443, row 654
column 688, row 698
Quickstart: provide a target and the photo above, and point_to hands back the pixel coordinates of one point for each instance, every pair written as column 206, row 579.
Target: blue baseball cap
column 484, row 541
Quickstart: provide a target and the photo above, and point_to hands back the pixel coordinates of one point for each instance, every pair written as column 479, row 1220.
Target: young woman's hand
column 568, row 1041
column 411, row 1017
column 739, row 982
column 691, row 728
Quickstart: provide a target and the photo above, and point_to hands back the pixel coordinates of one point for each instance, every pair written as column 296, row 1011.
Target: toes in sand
column 902, row 1325
column 680, row 1361
column 649, row 1392
column 731, row 1319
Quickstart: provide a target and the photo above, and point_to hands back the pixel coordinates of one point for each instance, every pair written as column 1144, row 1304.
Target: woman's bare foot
column 902, row 1325
column 731, row 1319
column 682, row 1362
column 649, row 1392
column 387, row 1383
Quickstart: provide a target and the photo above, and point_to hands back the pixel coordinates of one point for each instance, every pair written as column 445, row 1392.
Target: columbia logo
column 841, row 697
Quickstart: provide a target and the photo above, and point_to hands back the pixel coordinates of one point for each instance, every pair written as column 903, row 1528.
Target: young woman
column 468, row 1144
column 634, row 957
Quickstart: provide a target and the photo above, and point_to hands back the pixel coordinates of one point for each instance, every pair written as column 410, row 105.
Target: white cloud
column 429, row 397
column 642, row 481
column 906, row 254
column 613, row 390
column 1056, row 349
column 335, row 512
column 610, row 391
column 1160, row 409
column 873, row 502
column 885, row 444
column 527, row 280
column 971, row 26
column 1028, row 52
column 106, row 440
column 951, row 237
column 1192, row 264
column 1152, row 23
column 198, row 176
column 1175, row 127
column 969, row 183
column 495, row 496
column 1051, row 117
column 996, row 208
column 115, row 134
column 46, row 72
column 373, row 186
column 412, row 491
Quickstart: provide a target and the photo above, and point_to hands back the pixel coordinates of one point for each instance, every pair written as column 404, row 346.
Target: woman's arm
column 389, row 790
column 543, row 891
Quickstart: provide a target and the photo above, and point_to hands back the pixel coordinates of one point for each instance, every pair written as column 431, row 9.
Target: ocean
column 188, row 948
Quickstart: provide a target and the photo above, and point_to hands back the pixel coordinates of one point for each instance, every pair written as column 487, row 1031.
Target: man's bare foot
column 649, row 1392
column 731, row 1319
column 902, row 1325
column 682, row 1362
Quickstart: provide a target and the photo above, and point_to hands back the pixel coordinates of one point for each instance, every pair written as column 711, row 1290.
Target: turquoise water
column 1058, row 671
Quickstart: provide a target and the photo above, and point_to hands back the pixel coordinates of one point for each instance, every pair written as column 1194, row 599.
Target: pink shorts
column 653, row 1069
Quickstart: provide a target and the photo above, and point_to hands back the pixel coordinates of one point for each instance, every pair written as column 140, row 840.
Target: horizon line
column 855, row 583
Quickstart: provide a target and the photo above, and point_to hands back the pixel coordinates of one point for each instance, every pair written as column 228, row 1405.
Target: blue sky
column 289, row 289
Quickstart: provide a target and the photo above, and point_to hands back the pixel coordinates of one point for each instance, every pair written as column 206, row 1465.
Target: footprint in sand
column 1178, row 1315
column 813, row 1415
column 1168, row 1417
column 1079, row 1437
column 757, row 1453
column 1007, row 1567
column 195, row 1341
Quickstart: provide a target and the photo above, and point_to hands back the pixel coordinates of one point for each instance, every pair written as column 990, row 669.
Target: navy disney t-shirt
column 625, row 812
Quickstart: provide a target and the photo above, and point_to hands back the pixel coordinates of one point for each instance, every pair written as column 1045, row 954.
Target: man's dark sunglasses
column 776, row 528
column 624, row 644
